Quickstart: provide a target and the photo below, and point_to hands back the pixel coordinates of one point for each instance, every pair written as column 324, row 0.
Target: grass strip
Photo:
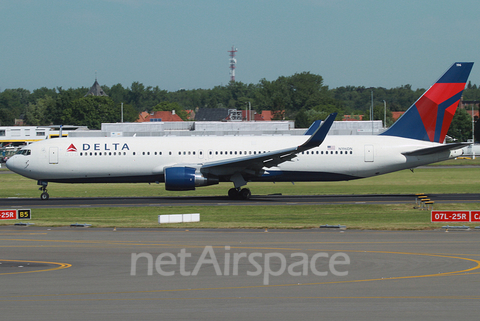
column 362, row 216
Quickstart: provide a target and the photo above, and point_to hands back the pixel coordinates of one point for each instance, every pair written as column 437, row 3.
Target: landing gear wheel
column 233, row 193
column 245, row 194
column 44, row 195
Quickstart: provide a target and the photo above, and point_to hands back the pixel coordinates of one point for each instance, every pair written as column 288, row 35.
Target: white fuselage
column 143, row 159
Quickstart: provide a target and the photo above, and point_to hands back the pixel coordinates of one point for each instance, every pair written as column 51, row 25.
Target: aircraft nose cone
column 9, row 163
column 12, row 164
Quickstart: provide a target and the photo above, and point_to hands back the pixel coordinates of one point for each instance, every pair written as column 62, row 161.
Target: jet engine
column 184, row 178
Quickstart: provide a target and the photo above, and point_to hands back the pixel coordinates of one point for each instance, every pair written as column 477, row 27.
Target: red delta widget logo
column 100, row 147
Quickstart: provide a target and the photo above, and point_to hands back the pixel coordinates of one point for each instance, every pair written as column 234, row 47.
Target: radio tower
column 233, row 62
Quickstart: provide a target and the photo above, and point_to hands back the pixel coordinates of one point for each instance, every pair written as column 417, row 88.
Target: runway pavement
column 7, row 203
column 88, row 274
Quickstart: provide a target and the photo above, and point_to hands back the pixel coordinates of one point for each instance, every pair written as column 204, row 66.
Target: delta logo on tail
column 71, row 148
column 430, row 116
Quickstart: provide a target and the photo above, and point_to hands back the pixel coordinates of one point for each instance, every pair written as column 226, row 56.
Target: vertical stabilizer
column 431, row 115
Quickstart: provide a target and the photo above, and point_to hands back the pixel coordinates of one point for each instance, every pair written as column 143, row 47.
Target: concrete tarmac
column 269, row 200
column 103, row 274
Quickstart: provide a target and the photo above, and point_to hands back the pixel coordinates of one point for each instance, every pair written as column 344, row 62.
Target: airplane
column 185, row 163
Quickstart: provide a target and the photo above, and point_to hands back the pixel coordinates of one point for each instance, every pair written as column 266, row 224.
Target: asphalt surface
column 9, row 203
column 91, row 274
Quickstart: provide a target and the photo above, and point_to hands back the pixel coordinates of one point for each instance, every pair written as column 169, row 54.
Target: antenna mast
column 233, row 62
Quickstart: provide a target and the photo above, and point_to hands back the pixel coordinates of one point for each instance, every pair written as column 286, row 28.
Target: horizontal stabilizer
column 436, row 149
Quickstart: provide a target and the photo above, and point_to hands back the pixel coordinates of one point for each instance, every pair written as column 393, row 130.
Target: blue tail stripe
column 441, row 113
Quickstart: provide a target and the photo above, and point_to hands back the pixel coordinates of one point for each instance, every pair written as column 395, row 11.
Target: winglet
column 319, row 135
column 313, row 127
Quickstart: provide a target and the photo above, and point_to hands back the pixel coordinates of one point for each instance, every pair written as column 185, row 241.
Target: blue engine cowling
column 184, row 178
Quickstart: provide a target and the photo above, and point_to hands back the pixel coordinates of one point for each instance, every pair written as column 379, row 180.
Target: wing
column 254, row 164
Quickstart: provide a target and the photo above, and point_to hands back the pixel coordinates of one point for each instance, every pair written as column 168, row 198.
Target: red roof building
column 158, row 116
column 396, row 115
column 352, row 117
column 266, row 115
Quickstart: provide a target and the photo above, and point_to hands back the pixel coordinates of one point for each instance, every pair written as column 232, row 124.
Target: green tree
column 36, row 112
column 42, row 93
column 13, row 103
column 117, row 93
column 130, row 114
column 379, row 114
column 461, row 127
column 301, row 119
column 91, row 111
column 7, row 118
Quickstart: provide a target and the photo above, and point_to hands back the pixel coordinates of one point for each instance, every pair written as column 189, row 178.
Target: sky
column 175, row 44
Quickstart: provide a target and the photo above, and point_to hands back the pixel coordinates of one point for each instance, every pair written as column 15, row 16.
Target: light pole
column 249, row 112
column 384, row 114
column 473, row 132
column 371, row 112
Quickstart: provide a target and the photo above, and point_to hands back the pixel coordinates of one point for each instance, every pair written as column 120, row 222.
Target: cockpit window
column 24, row 152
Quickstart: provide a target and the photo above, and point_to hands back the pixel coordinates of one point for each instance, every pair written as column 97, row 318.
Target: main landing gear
column 44, row 195
column 237, row 193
